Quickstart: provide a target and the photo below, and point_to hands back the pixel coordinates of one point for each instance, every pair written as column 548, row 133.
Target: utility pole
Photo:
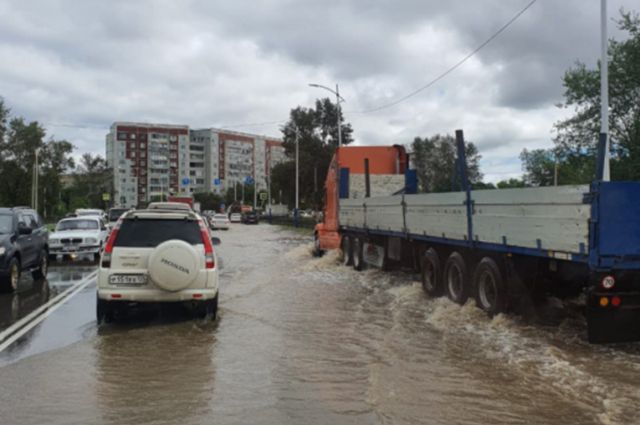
column 339, row 119
column 34, row 185
column 555, row 173
column 255, row 194
column 235, row 191
column 604, row 91
column 295, row 213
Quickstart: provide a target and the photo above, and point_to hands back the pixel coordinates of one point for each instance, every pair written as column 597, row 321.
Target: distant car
column 113, row 216
column 235, row 218
column 78, row 237
column 24, row 244
column 87, row 212
column 220, row 221
column 250, row 217
column 158, row 256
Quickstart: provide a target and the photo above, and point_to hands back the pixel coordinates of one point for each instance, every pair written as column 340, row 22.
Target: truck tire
column 10, row 282
column 358, row 253
column 490, row 287
column 347, row 251
column 317, row 252
column 456, row 279
column 430, row 273
column 43, row 266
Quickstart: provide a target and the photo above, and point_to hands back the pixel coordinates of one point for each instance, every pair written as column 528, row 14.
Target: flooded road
column 304, row 340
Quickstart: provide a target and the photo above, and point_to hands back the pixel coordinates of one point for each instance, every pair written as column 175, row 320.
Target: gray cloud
column 209, row 63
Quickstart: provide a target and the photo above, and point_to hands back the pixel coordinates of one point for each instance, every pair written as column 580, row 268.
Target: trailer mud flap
column 607, row 322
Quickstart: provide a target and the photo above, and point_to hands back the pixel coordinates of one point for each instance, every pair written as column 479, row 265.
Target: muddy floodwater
column 301, row 340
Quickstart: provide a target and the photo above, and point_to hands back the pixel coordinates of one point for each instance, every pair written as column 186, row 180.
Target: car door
column 25, row 241
column 40, row 233
column 104, row 233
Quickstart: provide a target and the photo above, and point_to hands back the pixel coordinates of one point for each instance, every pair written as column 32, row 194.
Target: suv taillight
column 209, row 260
column 108, row 248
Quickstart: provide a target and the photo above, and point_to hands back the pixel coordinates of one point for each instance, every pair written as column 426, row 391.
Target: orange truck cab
column 347, row 167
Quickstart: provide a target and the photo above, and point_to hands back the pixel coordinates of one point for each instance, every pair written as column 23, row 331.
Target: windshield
column 88, row 213
column 77, row 225
column 220, row 216
column 152, row 232
column 6, row 223
column 115, row 213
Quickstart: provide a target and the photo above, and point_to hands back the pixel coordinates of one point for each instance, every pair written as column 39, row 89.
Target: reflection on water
column 156, row 374
column 14, row 306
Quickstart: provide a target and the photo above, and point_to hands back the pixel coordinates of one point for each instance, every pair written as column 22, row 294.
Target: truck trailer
column 503, row 248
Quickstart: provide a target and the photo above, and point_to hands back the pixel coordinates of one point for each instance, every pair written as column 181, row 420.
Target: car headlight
column 90, row 240
column 2, row 250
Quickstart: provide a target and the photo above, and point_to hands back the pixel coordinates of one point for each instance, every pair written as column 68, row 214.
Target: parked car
column 24, row 245
column 250, row 217
column 235, row 218
column 220, row 221
column 78, row 237
column 158, row 256
column 87, row 212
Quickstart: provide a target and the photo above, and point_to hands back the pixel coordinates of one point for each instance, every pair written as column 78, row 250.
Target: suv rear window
column 152, row 232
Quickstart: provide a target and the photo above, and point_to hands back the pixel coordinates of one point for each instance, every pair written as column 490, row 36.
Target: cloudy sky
column 78, row 66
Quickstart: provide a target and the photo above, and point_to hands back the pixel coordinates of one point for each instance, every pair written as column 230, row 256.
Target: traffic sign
column 217, row 182
column 248, row 180
column 186, row 181
column 263, row 196
column 106, row 196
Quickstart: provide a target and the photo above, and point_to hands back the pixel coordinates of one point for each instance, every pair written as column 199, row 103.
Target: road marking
column 28, row 322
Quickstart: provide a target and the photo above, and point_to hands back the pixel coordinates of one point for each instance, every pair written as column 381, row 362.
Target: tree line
column 86, row 179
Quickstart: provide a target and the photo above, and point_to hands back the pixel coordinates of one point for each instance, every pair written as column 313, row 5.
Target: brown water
column 303, row 340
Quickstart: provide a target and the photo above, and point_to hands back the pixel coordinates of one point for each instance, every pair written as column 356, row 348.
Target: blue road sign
column 186, row 181
column 216, row 182
column 248, row 180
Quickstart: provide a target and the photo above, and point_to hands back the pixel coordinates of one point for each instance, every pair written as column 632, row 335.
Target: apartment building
column 153, row 159
column 221, row 158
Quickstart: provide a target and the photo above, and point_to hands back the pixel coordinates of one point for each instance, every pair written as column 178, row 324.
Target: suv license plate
column 128, row 279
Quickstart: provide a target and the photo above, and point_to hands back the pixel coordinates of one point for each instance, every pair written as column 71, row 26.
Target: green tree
column 91, row 179
column 511, row 183
column 208, row 201
column 317, row 135
column 577, row 136
column 434, row 159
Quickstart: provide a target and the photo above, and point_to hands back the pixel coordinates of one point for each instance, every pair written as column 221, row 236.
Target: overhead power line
column 452, row 68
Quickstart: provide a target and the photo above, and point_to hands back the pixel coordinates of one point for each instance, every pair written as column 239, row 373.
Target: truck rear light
column 615, row 301
column 604, row 301
column 209, row 259
column 608, row 282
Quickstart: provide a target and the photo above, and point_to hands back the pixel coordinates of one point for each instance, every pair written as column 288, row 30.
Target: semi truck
column 504, row 249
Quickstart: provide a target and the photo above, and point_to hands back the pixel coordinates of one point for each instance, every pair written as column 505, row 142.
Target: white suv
column 155, row 256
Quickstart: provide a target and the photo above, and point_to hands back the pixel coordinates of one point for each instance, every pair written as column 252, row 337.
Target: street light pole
column 297, row 176
column 604, row 91
column 338, row 100
column 34, row 185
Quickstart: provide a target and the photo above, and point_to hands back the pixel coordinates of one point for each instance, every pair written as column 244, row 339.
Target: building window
column 133, row 154
column 143, row 163
column 132, row 145
column 122, row 136
column 143, row 154
column 143, row 145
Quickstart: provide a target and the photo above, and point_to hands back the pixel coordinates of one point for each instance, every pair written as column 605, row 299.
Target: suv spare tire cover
column 173, row 265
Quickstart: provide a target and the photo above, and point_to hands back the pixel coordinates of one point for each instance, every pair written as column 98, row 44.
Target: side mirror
column 216, row 241
column 24, row 230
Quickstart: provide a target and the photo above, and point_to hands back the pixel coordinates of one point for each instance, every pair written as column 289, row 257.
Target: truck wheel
column 317, row 252
column 358, row 253
column 491, row 291
column 456, row 280
column 431, row 279
column 43, row 266
column 104, row 311
column 347, row 251
column 10, row 282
